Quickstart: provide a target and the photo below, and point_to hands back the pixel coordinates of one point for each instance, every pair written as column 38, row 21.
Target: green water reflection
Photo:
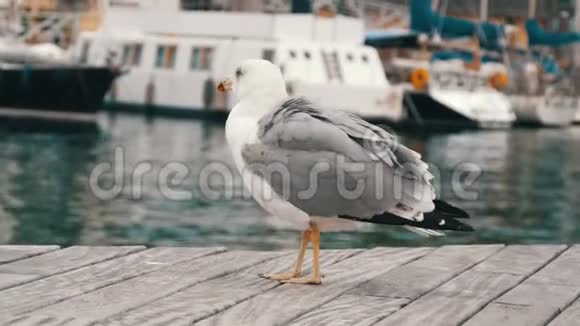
column 528, row 192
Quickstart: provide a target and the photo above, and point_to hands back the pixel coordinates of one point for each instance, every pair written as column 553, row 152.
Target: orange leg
column 315, row 277
column 306, row 235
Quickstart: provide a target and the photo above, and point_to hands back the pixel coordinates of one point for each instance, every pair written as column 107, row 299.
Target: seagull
column 316, row 167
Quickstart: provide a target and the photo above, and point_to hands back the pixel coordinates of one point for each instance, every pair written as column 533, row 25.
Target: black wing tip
column 445, row 217
column 445, row 208
column 431, row 221
column 436, row 221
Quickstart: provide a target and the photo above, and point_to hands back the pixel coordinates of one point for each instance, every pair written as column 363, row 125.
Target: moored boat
column 577, row 115
column 542, row 93
column 176, row 53
column 446, row 87
column 43, row 85
column 543, row 110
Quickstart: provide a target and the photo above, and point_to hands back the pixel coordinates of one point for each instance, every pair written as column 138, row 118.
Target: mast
column 484, row 10
column 532, row 8
column 435, row 5
column 577, row 15
column 11, row 24
column 577, row 29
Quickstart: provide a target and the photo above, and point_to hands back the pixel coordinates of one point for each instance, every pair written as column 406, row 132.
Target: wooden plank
column 225, row 292
column 457, row 300
column 284, row 303
column 12, row 253
column 42, row 320
column 32, row 296
column 420, row 276
column 570, row 316
column 538, row 299
column 349, row 309
column 563, row 271
column 57, row 262
column 385, row 294
column 136, row 292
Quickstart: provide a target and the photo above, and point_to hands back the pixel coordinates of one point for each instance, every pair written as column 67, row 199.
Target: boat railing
column 467, row 80
column 58, row 23
column 535, row 83
column 47, row 27
column 399, row 71
column 382, row 12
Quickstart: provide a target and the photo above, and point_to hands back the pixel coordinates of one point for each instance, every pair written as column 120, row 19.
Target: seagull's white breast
column 242, row 129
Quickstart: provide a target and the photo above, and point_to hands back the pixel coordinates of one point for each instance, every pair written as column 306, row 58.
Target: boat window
column 136, row 57
column 332, row 66
column 201, row 58
column 307, row 55
column 349, row 57
column 268, row 54
column 292, row 54
column 200, row 5
column 132, row 54
column 165, row 56
column 365, row 58
column 445, row 80
column 461, row 81
column 125, row 55
column 84, row 58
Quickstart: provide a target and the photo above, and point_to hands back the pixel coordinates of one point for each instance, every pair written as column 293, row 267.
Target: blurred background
column 99, row 100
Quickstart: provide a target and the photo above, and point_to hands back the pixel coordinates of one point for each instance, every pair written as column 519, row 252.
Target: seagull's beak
column 225, row 85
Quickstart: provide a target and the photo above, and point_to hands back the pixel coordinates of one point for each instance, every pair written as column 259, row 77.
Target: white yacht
column 546, row 110
column 175, row 51
column 449, row 81
column 542, row 92
column 541, row 97
column 442, row 92
column 42, row 86
column 455, row 96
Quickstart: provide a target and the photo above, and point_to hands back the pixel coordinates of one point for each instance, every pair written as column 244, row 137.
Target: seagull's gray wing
column 375, row 141
column 335, row 164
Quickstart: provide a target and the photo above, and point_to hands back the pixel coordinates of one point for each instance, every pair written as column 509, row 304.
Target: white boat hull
column 362, row 90
column 577, row 116
column 545, row 110
column 487, row 107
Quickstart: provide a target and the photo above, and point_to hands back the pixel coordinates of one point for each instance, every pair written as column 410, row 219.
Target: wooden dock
column 451, row 285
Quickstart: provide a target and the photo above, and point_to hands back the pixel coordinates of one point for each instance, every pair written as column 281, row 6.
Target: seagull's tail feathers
column 444, row 217
column 424, row 232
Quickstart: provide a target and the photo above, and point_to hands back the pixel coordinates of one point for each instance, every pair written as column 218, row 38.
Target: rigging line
column 442, row 12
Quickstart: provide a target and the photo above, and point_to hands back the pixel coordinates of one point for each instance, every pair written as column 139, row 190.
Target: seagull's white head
column 256, row 78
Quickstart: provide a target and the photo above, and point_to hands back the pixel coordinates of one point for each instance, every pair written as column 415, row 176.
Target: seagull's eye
column 238, row 72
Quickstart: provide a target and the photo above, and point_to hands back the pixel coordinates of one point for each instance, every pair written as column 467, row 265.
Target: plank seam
column 120, row 314
column 268, row 290
column 41, row 277
column 123, row 280
column 443, row 283
column 385, row 296
column 31, row 255
column 513, row 287
column 348, row 289
column 509, row 304
column 560, row 311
